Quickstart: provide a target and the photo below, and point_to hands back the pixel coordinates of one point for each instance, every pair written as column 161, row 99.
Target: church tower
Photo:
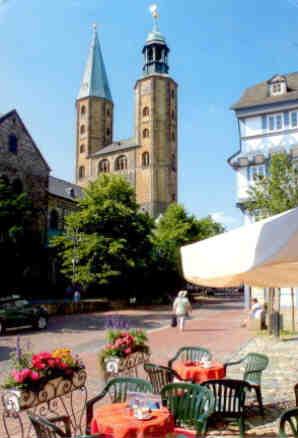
column 156, row 127
column 94, row 113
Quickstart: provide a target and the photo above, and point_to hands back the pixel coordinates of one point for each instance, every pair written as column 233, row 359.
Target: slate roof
column 95, row 81
column 259, row 94
column 64, row 189
column 117, row 146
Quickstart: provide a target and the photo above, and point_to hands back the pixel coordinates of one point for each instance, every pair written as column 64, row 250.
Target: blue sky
column 218, row 47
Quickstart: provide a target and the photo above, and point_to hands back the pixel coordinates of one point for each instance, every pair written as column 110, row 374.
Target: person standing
column 182, row 308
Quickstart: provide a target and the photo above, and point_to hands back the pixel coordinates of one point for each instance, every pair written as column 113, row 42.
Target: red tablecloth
column 113, row 420
column 198, row 373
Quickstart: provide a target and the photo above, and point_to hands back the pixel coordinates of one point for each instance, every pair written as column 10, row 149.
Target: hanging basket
column 16, row 400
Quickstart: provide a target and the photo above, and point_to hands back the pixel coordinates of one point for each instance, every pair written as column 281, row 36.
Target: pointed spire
column 95, row 81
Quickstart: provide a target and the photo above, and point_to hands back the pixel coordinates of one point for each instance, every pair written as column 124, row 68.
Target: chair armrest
column 62, row 419
column 171, row 361
column 89, row 409
column 229, row 364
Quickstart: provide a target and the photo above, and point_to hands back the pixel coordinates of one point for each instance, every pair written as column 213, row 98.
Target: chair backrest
column 191, row 353
column 187, row 402
column 45, row 428
column 288, row 424
column 119, row 387
column 159, row 376
column 229, row 395
column 255, row 364
column 296, row 393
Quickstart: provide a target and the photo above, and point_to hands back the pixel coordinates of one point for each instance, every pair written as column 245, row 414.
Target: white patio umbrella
column 262, row 254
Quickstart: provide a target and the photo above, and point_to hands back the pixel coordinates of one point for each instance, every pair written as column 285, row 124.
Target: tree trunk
column 293, row 310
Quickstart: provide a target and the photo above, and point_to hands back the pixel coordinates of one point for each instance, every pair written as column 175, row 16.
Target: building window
column 121, row 163
column 173, row 136
column 145, row 133
column 294, row 119
column 108, row 112
column 173, row 93
column 54, row 220
column 82, row 148
column 253, row 172
column 13, row 143
column 173, row 197
column 145, row 111
column 81, row 172
column 108, row 132
column 104, row 166
column 145, row 159
column 276, row 122
column 83, row 110
column 82, row 129
column 276, row 88
column 173, row 115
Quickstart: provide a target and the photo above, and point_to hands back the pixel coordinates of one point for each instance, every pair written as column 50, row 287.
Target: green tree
column 173, row 230
column 16, row 235
column 276, row 192
column 107, row 240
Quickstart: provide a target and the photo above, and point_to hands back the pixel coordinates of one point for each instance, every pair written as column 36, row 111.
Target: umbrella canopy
column 262, row 254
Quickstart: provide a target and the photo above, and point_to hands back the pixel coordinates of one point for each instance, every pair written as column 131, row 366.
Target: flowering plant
column 122, row 344
column 31, row 371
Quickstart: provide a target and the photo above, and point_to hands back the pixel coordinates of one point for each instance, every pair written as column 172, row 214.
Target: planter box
column 16, row 400
column 125, row 366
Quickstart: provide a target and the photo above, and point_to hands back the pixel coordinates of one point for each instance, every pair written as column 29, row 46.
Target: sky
column 218, row 48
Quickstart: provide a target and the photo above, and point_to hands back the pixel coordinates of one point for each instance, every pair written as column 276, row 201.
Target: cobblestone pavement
column 215, row 326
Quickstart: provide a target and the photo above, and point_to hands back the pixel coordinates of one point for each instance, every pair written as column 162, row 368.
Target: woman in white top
column 181, row 308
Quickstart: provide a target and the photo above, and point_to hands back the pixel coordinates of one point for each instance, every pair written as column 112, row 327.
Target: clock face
column 146, row 87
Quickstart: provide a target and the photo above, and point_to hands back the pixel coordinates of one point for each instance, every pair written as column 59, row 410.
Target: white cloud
column 220, row 216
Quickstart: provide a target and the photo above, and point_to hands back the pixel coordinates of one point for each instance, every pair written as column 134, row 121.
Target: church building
column 148, row 160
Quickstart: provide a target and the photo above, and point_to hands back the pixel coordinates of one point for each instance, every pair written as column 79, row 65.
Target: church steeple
column 95, row 81
column 155, row 50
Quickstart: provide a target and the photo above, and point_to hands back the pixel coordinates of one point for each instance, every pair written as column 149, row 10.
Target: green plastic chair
column 191, row 405
column 190, row 353
column 160, row 376
column 254, row 365
column 288, row 424
column 117, row 390
column 46, row 427
column 229, row 395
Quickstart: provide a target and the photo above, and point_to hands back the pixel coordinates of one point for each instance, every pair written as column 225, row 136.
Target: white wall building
column 267, row 115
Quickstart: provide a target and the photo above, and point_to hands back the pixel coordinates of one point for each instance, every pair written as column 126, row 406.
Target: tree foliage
column 16, row 234
column 108, row 237
column 276, row 192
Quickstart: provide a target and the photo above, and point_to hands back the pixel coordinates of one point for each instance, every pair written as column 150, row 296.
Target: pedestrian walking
column 182, row 308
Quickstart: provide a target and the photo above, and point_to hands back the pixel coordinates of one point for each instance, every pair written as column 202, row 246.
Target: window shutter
column 264, row 123
column 286, row 118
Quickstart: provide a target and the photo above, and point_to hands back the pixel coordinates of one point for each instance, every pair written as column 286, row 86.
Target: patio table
column 196, row 372
column 114, row 420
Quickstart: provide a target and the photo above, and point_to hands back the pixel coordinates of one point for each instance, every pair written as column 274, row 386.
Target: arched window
column 82, row 129
column 108, row 132
column 150, row 54
column 173, row 93
column 82, row 148
column 17, row 186
column 173, row 136
column 83, row 110
column 104, row 166
column 145, row 133
column 145, row 111
column 173, row 115
column 108, row 112
column 81, row 172
column 54, row 220
column 13, row 143
column 121, row 163
column 145, row 159
column 158, row 53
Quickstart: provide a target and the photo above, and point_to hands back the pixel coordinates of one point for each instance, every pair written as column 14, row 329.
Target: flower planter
column 16, row 400
column 125, row 366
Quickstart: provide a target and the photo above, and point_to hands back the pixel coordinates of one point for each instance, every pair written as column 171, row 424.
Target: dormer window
column 278, row 85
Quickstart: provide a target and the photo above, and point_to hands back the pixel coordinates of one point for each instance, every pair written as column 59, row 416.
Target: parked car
column 18, row 312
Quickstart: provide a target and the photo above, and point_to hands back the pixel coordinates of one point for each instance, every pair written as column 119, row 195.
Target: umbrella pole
column 270, row 309
column 293, row 310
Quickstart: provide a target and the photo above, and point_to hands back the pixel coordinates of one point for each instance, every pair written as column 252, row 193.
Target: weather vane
column 155, row 15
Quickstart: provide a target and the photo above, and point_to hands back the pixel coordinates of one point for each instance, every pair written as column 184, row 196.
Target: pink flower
column 34, row 375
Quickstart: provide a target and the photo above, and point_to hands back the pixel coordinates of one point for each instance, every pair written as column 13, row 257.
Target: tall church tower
column 156, row 127
column 94, row 113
